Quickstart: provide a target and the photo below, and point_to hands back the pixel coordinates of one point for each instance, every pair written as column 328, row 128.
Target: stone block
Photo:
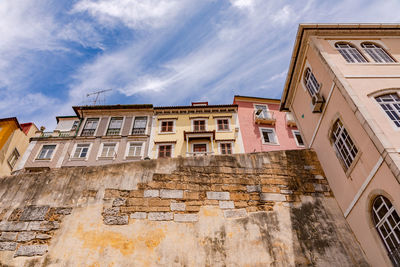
column 159, row 202
column 232, row 214
column 34, row 213
column 241, row 204
column 43, row 236
column 8, row 236
column 309, row 167
column 168, row 193
column 9, row 246
column 43, row 226
column 178, row 206
column 25, row 236
column 116, row 220
column 319, row 188
column 319, row 177
column 240, row 196
column 253, row 188
column 151, row 193
column 226, row 205
column 31, row 250
column 218, row 195
column 13, row 226
column 193, row 208
column 63, row 211
column 191, row 195
column 286, row 191
column 111, row 211
column 160, row 216
column 272, row 197
column 138, row 215
column 186, row 217
column 119, row 202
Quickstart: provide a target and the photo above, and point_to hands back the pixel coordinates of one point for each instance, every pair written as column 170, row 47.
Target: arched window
column 350, row 53
column 343, row 144
column 377, row 53
column 311, row 82
column 387, row 223
column 391, row 105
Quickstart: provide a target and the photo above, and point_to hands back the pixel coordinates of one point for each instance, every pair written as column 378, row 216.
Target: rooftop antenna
column 96, row 95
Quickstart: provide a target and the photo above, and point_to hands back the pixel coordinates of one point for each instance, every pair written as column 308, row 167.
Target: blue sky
column 163, row 52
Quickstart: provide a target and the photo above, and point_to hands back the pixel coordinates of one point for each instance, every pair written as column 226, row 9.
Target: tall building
column 343, row 89
column 14, row 140
column 264, row 127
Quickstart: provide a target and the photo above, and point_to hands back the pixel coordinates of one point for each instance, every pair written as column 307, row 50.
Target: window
column 90, row 127
column 108, row 151
column 13, row 158
column 47, row 151
column 139, row 125
column 387, row 223
column 350, row 53
column 343, row 144
column 81, row 151
column 377, row 53
column 199, row 125
column 268, row 136
column 167, row 126
column 298, row 138
column 391, row 105
column 135, row 149
column 199, row 148
column 311, row 82
column 226, row 148
column 164, row 151
column 74, row 125
column 261, row 111
column 115, row 126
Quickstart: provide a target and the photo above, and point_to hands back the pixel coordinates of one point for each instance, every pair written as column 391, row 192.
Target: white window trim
column 84, row 123
column 225, row 142
column 101, row 150
column 147, row 124
column 173, row 126
column 262, row 136
column 374, row 96
column 199, row 119
column 72, row 158
column 165, row 144
column 108, row 125
column 40, row 149
column 199, row 143
column 295, row 139
column 11, row 154
column 229, row 124
column 128, row 145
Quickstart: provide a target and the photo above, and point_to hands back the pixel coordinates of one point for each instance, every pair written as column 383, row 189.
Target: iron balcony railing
column 87, row 132
column 113, row 131
column 138, row 131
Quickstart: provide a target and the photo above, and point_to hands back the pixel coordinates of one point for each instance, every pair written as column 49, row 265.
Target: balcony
column 113, row 131
column 199, row 154
column 139, row 131
column 88, row 132
column 57, row 133
column 264, row 117
column 290, row 121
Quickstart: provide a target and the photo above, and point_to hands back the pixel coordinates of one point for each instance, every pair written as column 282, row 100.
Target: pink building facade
column 264, row 128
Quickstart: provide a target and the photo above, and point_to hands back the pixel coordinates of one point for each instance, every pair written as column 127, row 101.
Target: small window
column 115, row 126
column 391, row 105
column 139, row 126
column 199, row 125
column 47, row 151
column 164, row 151
column 90, row 127
column 350, row 53
column 261, row 111
column 167, row 126
column 387, row 223
column 223, row 124
column 343, row 144
column 74, row 125
column 226, row 148
column 108, row 151
column 135, row 149
column 268, row 136
column 311, row 82
column 298, row 138
column 81, row 151
column 377, row 53
column 13, row 158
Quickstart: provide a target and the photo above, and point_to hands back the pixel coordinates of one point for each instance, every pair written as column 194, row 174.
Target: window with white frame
column 350, row 53
column 115, row 125
column 167, row 126
column 377, row 53
column 311, row 82
column 108, row 150
column 46, row 152
column 261, row 111
column 199, row 125
column 81, row 151
column 223, row 124
column 387, row 223
column 225, row 148
column 90, row 127
column 343, row 144
column 164, row 151
column 74, row 125
column 298, row 138
column 135, row 149
column 13, row 158
column 268, row 136
column 390, row 103
column 139, row 125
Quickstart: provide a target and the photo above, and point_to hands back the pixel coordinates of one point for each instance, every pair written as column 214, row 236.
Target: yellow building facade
column 196, row 130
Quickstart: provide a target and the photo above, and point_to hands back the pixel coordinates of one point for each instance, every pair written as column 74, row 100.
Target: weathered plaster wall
column 263, row 209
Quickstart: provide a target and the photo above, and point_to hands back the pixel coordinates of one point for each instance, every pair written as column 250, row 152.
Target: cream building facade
column 343, row 88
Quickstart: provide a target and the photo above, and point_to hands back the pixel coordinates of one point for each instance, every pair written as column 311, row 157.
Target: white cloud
column 242, row 3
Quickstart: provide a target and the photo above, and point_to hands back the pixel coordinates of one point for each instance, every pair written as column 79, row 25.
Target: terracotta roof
column 26, row 126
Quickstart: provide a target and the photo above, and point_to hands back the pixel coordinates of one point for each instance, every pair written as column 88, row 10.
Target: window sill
column 78, row 159
column 271, row 144
column 105, row 158
column 43, row 159
column 133, row 157
column 166, row 132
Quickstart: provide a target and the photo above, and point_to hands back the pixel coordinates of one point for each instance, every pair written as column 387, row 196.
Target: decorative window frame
column 147, row 124
column 229, row 124
column 192, row 143
column 165, row 144
column 262, row 136
column 40, row 149
column 225, row 142
column 295, row 139
column 303, row 79
column 192, row 120
column 381, row 92
column 377, row 46
column 99, row 157
column 84, row 124
column 173, row 126
column 128, row 144
column 72, row 158
column 108, row 125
